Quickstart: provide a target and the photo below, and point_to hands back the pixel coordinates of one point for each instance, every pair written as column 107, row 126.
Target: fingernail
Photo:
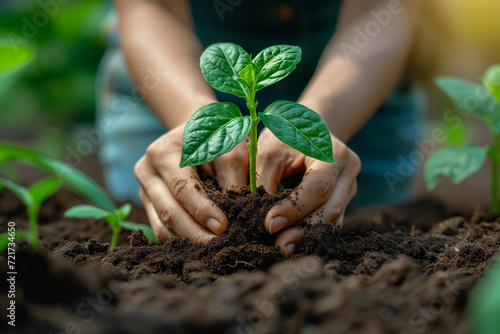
column 289, row 249
column 276, row 224
column 213, row 225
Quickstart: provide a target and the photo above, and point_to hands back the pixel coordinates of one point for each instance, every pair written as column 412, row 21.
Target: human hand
column 323, row 194
column 173, row 197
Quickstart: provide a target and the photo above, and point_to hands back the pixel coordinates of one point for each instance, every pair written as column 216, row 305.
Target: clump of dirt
column 245, row 244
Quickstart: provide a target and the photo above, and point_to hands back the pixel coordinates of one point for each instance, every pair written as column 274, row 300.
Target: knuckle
column 242, row 155
column 139, row 168
column 166, row 216
column 324, row 188
column 198, row 237
column 268, row 154
column 356, row 162
column 198, row 210
column 335, row 211
column 151, row 151
column 343, row 154
column 159, row 235
column 179, row 186
column 238, row 155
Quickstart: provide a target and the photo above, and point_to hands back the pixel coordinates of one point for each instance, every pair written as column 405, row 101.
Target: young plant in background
column 13, row 58
column 76, row 181
column 481, row 101
column 217, row 128
column 115, row 219
column 32, row 198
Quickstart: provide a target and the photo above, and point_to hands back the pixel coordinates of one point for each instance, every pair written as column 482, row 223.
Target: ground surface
column 396, row 270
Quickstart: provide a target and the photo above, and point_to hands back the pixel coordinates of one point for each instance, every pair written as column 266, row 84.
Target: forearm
column 162, row 54
column 350, row 84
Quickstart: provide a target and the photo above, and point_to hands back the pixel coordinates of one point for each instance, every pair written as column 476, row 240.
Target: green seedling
column 217, row 128
column 115, row 219
column 32, row 198
column 77, row 182
column 458, row 163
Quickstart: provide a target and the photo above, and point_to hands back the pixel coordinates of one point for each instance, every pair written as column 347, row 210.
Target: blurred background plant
column 54, row 94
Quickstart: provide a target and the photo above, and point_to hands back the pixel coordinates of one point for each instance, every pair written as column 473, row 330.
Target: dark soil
column 406, row 269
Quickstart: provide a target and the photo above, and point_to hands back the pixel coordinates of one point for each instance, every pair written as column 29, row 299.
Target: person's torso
column 258, row 24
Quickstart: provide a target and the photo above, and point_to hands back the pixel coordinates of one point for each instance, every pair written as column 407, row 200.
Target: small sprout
column 115, row 219
column 217, row 128
column 76, row 181
column 32, row 199
column 483, row 102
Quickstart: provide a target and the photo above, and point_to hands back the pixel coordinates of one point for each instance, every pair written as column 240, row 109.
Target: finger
column 171, row 214
column 316, row 188
column 333, row 211
column 288, row 240
column 231, row 168
column 162, row 234
column 185, row 187
column 270, row 171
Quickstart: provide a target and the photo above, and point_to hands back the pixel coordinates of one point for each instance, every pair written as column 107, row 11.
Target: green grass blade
column 40, row 191
column 21, row 192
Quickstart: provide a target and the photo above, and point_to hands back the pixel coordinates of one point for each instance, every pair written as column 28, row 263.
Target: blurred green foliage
column 13, row 58
column 56, row 90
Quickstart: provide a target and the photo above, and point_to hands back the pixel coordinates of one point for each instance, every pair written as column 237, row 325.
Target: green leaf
column 20, row 191
column 75, row 180
column 13, row 57
column 148, row 231
column 221, row 63
column 124, row 211
column 300, row 128
column 43, row 189
column 456, row 162
column 274, row 63
column 87, row 211
column 213, row 130
column 247, row 75
column 472, row 98
column 483, row 306
column 11, row 172
column 491, row 81
column 19, row 235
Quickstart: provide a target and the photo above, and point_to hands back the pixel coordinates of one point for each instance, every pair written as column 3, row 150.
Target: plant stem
column 114, row 238
column 494, row 155
column 494, row 187
column 33, row 221
column 252, row 145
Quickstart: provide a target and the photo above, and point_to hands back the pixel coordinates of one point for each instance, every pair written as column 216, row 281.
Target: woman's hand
column 322, row 196
column 173, row 197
